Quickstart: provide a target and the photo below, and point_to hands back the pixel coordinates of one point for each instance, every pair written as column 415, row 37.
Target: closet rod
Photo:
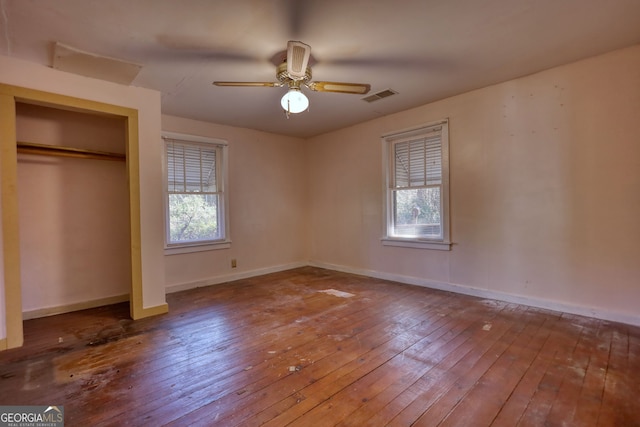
column 53, row 150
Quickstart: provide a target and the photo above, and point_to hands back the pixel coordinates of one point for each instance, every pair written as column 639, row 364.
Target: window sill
column 187, row 249
column 416, row 244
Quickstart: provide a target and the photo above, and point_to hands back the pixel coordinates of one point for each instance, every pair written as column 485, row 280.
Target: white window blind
column 418, row 161
column 191, row 167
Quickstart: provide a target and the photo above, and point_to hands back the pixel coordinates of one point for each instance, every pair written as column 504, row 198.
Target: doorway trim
column 9, row 96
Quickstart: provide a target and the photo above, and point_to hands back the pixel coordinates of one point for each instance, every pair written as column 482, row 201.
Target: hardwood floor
column 275, row 350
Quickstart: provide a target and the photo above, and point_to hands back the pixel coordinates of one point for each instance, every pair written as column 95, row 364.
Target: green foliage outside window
column 193, row 217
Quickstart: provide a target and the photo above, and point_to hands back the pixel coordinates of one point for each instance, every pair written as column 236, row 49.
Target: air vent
column 382, row 94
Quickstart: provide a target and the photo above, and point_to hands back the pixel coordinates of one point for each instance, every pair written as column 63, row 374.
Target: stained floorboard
column 278, row 350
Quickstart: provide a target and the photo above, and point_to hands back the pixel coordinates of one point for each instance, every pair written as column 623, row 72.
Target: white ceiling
column 424, row 49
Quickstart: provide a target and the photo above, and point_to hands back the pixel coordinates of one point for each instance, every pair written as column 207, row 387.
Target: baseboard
column 484, row 293
column 50, row 311
column 410, row 280
column 233, row 276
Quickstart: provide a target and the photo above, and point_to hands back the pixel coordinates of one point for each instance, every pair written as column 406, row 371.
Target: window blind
column 418, row 160
column 191, row 166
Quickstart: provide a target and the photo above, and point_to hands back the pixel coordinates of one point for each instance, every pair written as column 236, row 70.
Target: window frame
column 388, row 142
column 222, row 185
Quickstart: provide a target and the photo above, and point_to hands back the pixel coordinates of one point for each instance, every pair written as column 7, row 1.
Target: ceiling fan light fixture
column 294, row 101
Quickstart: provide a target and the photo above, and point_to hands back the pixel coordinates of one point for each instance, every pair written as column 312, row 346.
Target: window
column 195, row 193
column 417, row 187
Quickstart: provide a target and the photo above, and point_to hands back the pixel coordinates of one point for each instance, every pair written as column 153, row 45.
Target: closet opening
column 56, row 278
column 73, row 210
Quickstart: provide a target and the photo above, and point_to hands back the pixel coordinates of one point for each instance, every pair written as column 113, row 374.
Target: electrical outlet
column 234, row 264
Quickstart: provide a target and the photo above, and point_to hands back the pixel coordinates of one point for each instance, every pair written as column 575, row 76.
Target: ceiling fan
column 295, row 73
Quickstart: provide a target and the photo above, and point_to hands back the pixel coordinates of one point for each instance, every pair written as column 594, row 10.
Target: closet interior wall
column 74, row 212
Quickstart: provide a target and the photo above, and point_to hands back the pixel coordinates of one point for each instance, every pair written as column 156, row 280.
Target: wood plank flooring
column 275, row 350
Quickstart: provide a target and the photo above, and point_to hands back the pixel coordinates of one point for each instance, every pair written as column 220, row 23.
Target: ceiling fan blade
column 298, row 55
column 249, row 84
column 339, row 87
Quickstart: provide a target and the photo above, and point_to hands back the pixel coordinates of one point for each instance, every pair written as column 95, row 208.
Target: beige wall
column 267, row 198
column 545, row 192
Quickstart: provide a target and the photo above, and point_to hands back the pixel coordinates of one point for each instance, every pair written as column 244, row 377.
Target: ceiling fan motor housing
column 283, row 75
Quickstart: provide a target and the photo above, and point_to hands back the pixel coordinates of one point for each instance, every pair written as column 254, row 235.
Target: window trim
column 388, row 141
column 225, row 242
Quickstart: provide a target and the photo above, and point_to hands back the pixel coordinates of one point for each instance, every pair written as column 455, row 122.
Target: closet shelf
column 59, row 151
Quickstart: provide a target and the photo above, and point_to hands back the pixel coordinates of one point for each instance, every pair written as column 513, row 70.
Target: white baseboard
column 485, row 293
column 410, row 280
column 233, row 276
column 67, row 308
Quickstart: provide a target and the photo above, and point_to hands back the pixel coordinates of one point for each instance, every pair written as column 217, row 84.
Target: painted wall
column 74, row 213
column 267, row 200
column 545, row 192
column 147, row 102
